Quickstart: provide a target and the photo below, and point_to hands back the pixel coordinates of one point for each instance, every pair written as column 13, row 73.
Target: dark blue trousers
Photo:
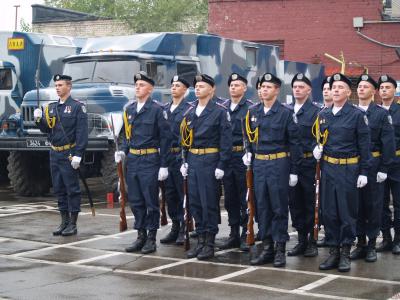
column 235, row 191
column 271, row 185
column 370, row 204
column 339, row 196
column 204, row 191
column 142, row 181
column 391, row 188
column 302, row 200
column 65, row 182
column 174, row 192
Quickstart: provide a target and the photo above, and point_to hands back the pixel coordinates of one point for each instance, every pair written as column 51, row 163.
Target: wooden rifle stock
column 163, row 213
column 122, row 191
column 187, row 217
column 316, row 208
column 250, row 206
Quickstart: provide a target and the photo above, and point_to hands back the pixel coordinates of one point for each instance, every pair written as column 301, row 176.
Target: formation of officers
column 212, row 141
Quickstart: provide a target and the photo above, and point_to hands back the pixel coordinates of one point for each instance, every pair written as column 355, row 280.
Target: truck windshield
column 119, row 71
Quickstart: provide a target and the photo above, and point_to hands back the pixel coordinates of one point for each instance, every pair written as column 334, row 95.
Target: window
column 187, row 70
column 251, row 57
column 391, row 9
column 157, row 71
column 119, row 71
column 5, row 79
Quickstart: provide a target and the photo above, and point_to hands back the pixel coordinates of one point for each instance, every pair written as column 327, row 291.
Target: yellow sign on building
column 15, row 44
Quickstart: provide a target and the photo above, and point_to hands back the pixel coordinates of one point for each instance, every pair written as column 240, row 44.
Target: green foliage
column 25, row 26
column 145, row 15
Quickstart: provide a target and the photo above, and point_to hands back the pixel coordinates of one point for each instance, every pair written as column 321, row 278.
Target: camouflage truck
column 19, row 55
column 103, row 80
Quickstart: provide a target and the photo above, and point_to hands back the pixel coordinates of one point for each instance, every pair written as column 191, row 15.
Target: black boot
column 243, row 243
column 201, row 240
column 311, row 250
column 139, row 243
column 322, row 243
column 150, row 245
column 181, row 235
column 396, row 244
column 267, row 254
column 280, row 255
column 64, row 222
column 233, row 240
column 371, row 256
column 301, row 245
column 332, row 261
column 172, row 235
column 208, row 250
column 387, row 243
column 345, row 263
column 71, row 228
column 361, row 248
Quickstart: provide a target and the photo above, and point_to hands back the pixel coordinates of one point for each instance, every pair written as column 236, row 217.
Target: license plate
column 36, row 143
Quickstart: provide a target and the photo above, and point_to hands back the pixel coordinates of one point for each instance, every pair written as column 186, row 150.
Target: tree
column 145, row 15
column 25, row 26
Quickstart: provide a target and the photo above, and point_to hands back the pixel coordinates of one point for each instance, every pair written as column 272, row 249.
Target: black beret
column 301, row 77
column 236, row 76
column 326, row 80
column 268, row 77
column 386, row 78
column 143, row 76
column 339, row 77
column 61, row 77
column 366, row 77
column 205, row 78
column 180, row 79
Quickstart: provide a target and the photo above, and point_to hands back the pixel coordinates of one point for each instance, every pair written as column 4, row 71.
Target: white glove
column 293, row 179
column 75, row 161
column 162, row 174
column 317, row 152
column 184, row 169
column 37, row 113
column 247, row 159
column 219, row 173
column 362, row 181
column 381, row 177
column 119, row 156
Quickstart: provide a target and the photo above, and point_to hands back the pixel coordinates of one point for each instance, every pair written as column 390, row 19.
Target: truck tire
column 3, row 166
column 109, row 170
column 29, row 173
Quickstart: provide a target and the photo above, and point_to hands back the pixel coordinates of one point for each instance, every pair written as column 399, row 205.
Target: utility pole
column 16, row 16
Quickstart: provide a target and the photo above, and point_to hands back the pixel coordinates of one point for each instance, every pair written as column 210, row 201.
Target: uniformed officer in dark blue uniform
column 235, row 174
column 275, row 141
column 174, row 183
column 206, row 131
column 382, row 149
column 66, row 125
column 387, row 90
column 344, row 168
column 146, row 143
column 302, row 196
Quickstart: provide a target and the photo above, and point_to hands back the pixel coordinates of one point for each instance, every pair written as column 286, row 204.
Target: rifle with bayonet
column 250, row 240
column 122, row 191
column 164, row 220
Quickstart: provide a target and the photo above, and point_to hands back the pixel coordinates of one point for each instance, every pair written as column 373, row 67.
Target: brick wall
column 84, row 28
column 309, row 28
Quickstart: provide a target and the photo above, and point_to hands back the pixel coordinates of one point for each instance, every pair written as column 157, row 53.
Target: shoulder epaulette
column 249, row 102
column 128, row 104
column 221, row 105
column 162, row 105
column 188, row 110
column 317, row 104
column 192, row 103
column 255, row 105
column 359, row 108
column 288, row 106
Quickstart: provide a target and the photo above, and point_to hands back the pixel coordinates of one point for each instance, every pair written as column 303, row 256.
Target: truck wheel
column 3, row 166
column 29, row 173
column 109, row 170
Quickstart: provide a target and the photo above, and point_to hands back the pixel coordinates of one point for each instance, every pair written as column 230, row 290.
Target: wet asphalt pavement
column 93, row 265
